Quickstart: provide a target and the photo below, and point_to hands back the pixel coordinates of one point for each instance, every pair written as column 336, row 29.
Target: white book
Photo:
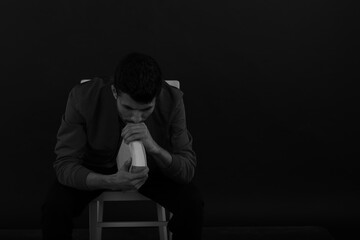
column 134, row 151
column 138, row 154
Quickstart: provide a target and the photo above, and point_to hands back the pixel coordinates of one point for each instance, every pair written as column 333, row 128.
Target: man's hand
column 125, row 180
column 139, row 132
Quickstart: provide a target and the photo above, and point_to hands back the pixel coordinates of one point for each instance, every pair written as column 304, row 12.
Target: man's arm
column 70, row 146
column 162, row 157
column 183, row 164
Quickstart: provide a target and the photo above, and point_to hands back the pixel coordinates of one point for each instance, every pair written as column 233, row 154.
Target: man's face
column 131, row 111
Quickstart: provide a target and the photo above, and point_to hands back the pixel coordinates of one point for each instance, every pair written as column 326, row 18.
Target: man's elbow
column 61, row 178
column 187, row 176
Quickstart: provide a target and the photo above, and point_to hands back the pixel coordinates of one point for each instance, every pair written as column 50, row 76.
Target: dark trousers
column 183, row 200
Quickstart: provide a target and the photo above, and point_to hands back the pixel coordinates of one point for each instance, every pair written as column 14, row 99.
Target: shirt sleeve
column 182, row 167
column 70, row 146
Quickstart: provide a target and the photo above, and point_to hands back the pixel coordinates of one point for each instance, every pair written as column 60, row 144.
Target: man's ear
column 114, row 92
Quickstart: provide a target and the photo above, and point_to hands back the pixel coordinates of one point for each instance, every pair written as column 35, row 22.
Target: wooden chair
column 96, row 207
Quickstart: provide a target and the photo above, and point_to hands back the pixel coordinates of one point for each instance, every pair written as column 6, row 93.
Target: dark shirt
column 89, row 137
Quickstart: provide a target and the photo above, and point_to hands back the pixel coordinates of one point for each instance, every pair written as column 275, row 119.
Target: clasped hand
column 139, row 132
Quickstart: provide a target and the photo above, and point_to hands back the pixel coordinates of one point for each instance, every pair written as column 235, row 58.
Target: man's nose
column 136, row 117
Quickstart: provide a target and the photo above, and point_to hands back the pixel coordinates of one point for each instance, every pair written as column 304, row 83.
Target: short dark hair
column 138, row 75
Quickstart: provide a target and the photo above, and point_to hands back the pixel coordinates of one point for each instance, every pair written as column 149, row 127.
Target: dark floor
column 210, row 233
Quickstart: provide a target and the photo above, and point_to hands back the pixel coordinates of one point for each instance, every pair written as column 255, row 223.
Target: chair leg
column 92, row 220
column 100, row 207
column 95, row 216
column 170, row 233
column 162, row 217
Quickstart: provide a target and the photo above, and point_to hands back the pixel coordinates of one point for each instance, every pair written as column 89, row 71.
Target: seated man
column 136, row 105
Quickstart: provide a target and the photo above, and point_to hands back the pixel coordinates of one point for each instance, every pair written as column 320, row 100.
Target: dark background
column 269, row 93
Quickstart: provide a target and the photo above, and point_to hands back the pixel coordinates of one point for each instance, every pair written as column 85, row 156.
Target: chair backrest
column 174, row 83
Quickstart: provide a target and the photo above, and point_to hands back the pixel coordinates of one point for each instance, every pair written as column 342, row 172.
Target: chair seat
column 122, row 196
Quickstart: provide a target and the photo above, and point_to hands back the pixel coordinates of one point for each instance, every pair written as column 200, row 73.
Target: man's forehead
column 126, row 99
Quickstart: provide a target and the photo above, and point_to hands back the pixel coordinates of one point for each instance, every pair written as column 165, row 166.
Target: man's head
column 137, row 83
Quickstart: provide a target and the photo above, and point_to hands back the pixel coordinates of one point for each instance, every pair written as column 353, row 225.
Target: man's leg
column 184, row 201
column 61, row 206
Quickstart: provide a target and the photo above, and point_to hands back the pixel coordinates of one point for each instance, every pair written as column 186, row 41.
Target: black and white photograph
column 180, row 120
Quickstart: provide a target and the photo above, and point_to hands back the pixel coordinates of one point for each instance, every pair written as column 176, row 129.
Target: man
column 136, row 105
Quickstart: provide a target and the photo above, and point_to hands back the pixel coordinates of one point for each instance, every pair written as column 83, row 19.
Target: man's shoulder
column 90, row 94
column 89, row 88
column 169, row 100
column 170, row 94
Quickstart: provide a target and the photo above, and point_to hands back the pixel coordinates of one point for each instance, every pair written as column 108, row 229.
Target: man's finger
column 126, row 165
column 131, row 131
column 139, row 175
column 133, row 137
column 132, row 127
column 140, row 183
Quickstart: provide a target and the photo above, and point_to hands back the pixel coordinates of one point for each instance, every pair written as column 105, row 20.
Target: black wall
column 268, row 89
